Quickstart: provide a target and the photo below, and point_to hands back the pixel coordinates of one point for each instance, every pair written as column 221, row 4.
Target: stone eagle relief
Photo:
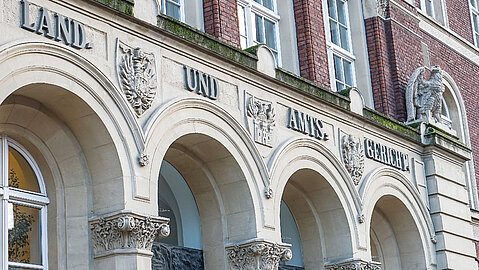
column 424, row 98
column 353, row 157
column 263, row 120
column 137, row 76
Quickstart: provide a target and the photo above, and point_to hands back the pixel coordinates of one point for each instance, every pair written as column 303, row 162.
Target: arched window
column 24, row 209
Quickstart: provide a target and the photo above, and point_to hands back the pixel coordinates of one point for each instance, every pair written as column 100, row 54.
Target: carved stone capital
column 354, row 264
column 258, row 255
column 125, row 231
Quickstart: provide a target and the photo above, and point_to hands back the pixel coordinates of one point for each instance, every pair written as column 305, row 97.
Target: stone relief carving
column 354, row 265
column 353, row 157
column 127, row 231
column 424, row 98
column 258, row 255
column 137, row 76
column 143, row 159
column 263, row 120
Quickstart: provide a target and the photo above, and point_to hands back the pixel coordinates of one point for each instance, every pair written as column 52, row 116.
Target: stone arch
column 321, row 197
column 59, row 110
column 453, row 98
column 220, row 164
column 398, row 219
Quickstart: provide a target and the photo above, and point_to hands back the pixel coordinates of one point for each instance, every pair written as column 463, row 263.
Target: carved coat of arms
column 353, row 157
column 263, row 118
column 137, row 76
column 424, row 98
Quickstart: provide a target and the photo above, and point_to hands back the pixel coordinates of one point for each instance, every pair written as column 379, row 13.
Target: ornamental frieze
column 137, row 76
column 127, row 231
column 258, row 255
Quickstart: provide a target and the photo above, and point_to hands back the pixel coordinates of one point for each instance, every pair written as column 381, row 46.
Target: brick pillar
column 221, row 20
column 313, row 58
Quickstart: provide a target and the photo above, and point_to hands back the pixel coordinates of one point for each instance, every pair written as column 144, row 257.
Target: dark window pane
column 344, row 38
column 338, row 69
column 259, row 29
column 24, row 233
column 334, row 32
column 348, row 72
column 172, row 10
column 341, row 12
column 270, row 33
column 268, row 4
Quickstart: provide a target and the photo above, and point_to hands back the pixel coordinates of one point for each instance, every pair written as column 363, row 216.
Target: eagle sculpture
column 424, row 98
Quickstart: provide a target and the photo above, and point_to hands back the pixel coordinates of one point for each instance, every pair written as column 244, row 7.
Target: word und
column 201, row 83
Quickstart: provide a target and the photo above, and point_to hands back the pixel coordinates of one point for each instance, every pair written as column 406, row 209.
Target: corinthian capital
column 353, row 264
column 258, row 255
column 126, row 230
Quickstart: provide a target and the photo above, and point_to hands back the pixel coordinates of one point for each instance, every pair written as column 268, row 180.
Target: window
column 435, row 9
column 173, row 8
column 258, row 23
column 23, row 209
column 475, row 20
column 340, row 53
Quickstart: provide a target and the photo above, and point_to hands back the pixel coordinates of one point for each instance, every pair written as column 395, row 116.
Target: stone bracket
column 257, row 254
column 126, row 232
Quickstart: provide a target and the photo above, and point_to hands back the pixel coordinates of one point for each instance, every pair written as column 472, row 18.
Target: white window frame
column 21, row 197
column 181, row 5
column 334, row 49
column 474, row 11
column 252, row 8
column 442, row 19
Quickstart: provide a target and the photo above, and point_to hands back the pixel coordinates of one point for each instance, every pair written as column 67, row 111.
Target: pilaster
column 450, row 212
column 123, row 240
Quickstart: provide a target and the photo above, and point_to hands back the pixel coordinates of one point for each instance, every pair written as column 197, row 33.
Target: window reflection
column 20, row 174
column 24, row 236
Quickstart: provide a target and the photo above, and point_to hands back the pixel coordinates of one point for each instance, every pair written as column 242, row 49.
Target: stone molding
column 258, row 255
column 119, row 232
column 355, row 264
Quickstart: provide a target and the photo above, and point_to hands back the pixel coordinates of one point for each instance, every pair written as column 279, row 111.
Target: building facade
column 221, row 134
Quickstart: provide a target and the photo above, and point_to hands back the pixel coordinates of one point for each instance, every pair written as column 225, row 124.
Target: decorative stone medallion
column 353, row 157
column 262, row 117
column 258, row 255
column 137, row 76
column 126, row 230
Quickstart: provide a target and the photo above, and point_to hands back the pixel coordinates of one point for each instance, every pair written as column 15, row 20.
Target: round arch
column 409, row 220
column 307, row 173
column 220, row 164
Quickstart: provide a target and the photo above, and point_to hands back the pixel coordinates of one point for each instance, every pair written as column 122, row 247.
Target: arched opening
column 77, row 158
column 395, row 240
column 290, row 235
column 217, row 188
column 320, row 218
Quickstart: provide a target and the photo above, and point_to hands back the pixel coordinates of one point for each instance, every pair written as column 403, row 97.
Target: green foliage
column 18, row 242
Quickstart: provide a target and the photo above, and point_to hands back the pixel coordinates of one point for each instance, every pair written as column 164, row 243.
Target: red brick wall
column 313, row 58
column 221, row 20
column 459, row 18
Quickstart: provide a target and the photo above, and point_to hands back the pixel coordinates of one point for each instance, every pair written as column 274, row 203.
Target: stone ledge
column 391, row 124
column 124, row 6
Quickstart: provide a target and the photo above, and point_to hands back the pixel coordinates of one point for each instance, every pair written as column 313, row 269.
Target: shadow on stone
column 169, row 257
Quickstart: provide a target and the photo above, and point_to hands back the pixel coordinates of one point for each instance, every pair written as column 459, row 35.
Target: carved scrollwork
column 137, row 76
column 354, row 265
column 258, row 255
column 353, row 157
column 126, row 231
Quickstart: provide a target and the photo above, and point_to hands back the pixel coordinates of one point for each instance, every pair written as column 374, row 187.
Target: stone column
column 258, row 254
column 448, row 200
column 353, row 264
column 123, row 240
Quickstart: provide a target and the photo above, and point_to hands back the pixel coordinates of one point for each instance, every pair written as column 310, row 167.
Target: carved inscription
column 386, row 155
column 201, row 83
column 62, row 29
column 306, row 124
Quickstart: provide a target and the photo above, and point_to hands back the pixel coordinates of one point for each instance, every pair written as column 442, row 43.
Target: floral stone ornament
column 137, row 76
column 258, row 255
